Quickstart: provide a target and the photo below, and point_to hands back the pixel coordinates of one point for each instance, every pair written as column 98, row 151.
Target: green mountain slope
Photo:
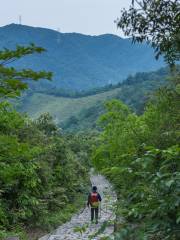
column 79, row 61
column 61, row 108
column 81, row 113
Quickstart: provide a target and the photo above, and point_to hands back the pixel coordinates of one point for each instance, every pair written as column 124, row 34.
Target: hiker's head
column 94, row 188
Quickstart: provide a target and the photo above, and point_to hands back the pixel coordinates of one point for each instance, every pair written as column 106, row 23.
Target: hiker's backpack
column 94, row 199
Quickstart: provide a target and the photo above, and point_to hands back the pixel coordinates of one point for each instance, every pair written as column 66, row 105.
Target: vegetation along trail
column 79, row 227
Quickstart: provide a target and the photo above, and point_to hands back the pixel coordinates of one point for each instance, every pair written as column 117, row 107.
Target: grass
column 62, row 108
column 100, row 230
column 77, row 114
column 50, row 222
column 55, row 219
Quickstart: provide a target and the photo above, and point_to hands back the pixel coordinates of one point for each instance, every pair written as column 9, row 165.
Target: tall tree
column 156, row 22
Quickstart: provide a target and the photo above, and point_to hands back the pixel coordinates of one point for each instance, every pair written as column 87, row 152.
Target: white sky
column 92, row 17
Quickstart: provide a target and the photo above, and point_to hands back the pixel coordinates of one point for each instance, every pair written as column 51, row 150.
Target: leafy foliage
column 140, row 155
column 156, row 22
column 38, row 165
column 13, row 81
column 38, row 169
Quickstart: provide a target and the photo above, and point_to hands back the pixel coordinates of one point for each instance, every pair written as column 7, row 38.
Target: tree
column 139, row 154
column 13, row 81
column 156, row 22
column 38, row 166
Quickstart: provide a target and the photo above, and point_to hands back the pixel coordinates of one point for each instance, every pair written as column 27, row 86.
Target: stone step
column 67, row 230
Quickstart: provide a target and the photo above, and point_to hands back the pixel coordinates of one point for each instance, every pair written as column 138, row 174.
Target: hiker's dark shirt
column 89, row 198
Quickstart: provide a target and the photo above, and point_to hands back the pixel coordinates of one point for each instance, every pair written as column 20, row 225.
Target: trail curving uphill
column 79, row 227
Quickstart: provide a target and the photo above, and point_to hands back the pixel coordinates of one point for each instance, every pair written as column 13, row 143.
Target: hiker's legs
column 92, row 214
column 96, row 214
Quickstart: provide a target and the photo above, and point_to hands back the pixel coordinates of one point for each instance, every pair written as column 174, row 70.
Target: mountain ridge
column 78, row 61
column 12, row 25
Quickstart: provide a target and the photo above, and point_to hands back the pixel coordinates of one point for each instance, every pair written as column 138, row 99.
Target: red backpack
column 94, row 199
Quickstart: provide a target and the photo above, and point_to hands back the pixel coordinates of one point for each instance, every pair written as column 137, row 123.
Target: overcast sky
column 92, row 17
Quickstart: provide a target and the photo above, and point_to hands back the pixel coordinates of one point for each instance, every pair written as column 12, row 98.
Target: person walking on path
column 94, row 200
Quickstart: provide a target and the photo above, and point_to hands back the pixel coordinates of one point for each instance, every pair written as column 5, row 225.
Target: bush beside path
column 80, row 227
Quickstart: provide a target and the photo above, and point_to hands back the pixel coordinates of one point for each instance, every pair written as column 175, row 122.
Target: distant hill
column 80, row 61
column 81, row 113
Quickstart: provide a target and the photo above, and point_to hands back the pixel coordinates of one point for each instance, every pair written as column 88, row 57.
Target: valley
column 82, row 111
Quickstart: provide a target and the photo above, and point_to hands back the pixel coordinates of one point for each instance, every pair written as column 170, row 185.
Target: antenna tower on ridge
column 20, row 19
column 58, row 36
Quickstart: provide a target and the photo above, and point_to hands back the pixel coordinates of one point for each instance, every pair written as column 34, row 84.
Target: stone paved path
column 81, row 221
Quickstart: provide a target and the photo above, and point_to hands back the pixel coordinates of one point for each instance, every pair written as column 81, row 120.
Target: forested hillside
column 74, row 111
column 79, row 61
